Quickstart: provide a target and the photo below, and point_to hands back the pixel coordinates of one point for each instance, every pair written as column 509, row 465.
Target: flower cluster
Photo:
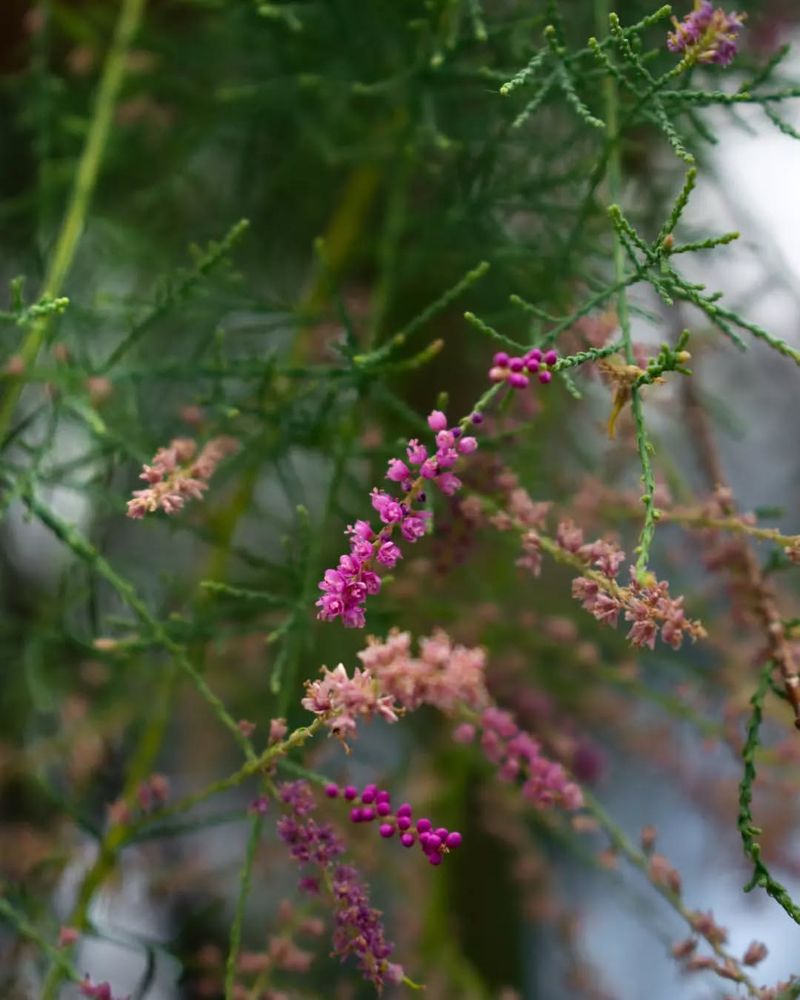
column 444, row 674
column 517, row 755
column 358, row 931
column 375, row 804
column 517, row 372
column 645, row 603
column 706, row 34
column 448, row 677
column 176, row 475
column 340, row 699
column 346, row 588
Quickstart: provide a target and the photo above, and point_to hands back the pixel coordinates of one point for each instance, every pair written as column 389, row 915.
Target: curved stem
column 127, row 26
column 747, row 828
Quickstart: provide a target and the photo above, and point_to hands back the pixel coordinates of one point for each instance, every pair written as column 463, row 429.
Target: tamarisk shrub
column 451, row 295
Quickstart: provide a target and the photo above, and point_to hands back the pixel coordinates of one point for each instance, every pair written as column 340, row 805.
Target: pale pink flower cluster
column 647, row 605
column 444, row 674
column 176, row 475
column 393, row 680
column 449, row 677
column 339, row 700
column 518, row 755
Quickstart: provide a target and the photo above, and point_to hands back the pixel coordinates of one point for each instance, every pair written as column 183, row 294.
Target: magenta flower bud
column 432, row 842
column 383, row 809
column 516, row 364
column 551, row 357
column 383, row 796
column 403, row 822
column 444, row 439
column 453, row 839
column 437, row 421
column 476, row 418
column 386, row 830
column 398, row 471
column 331, row 790
column 532, row 366
column 518, row 381
column 423, row 825
column 369, row 793
column 350, row 792
column 388, row 554
column 501, row 359
column 441, row 832
column 356, row 814
column 435, row 859
column 467, row 445
column 417, row 453
column 429, row 468
column 407, row 839
column 367, row 814
column 545, row 377
column 423, row 839
column 404, row 810
column 534, row 355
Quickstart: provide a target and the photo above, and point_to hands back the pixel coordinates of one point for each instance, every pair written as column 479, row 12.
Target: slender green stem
column 127, row 26
column 245, row 880
column 748, row 830
column 296, row 738
column 26, row 929
column 614, row 173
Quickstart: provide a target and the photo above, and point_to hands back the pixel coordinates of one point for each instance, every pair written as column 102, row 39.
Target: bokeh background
column 368, row 147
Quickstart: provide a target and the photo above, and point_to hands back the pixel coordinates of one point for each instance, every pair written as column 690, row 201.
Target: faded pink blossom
column 277, row 730
column 177, row 476
column 444, row 674
column 339, row 700
column 755, row 953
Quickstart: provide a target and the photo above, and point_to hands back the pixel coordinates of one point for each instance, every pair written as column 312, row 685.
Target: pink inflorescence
column 176, row 475
column 393, row 680
column 340, row 700
column 346, row 588
column 374, row 805
column 518, row 371
column 518, row 756
column 358, row 931
column 706, row 34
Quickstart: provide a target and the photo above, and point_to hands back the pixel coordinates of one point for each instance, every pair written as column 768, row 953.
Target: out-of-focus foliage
column 302, row 227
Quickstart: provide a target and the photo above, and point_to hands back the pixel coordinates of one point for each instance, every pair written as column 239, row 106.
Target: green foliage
column 416, row 184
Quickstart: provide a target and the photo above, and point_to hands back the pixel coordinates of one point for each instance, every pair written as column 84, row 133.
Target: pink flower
column 175, row 478
column 346, row 588
column 437, row 421
column 339, row 700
